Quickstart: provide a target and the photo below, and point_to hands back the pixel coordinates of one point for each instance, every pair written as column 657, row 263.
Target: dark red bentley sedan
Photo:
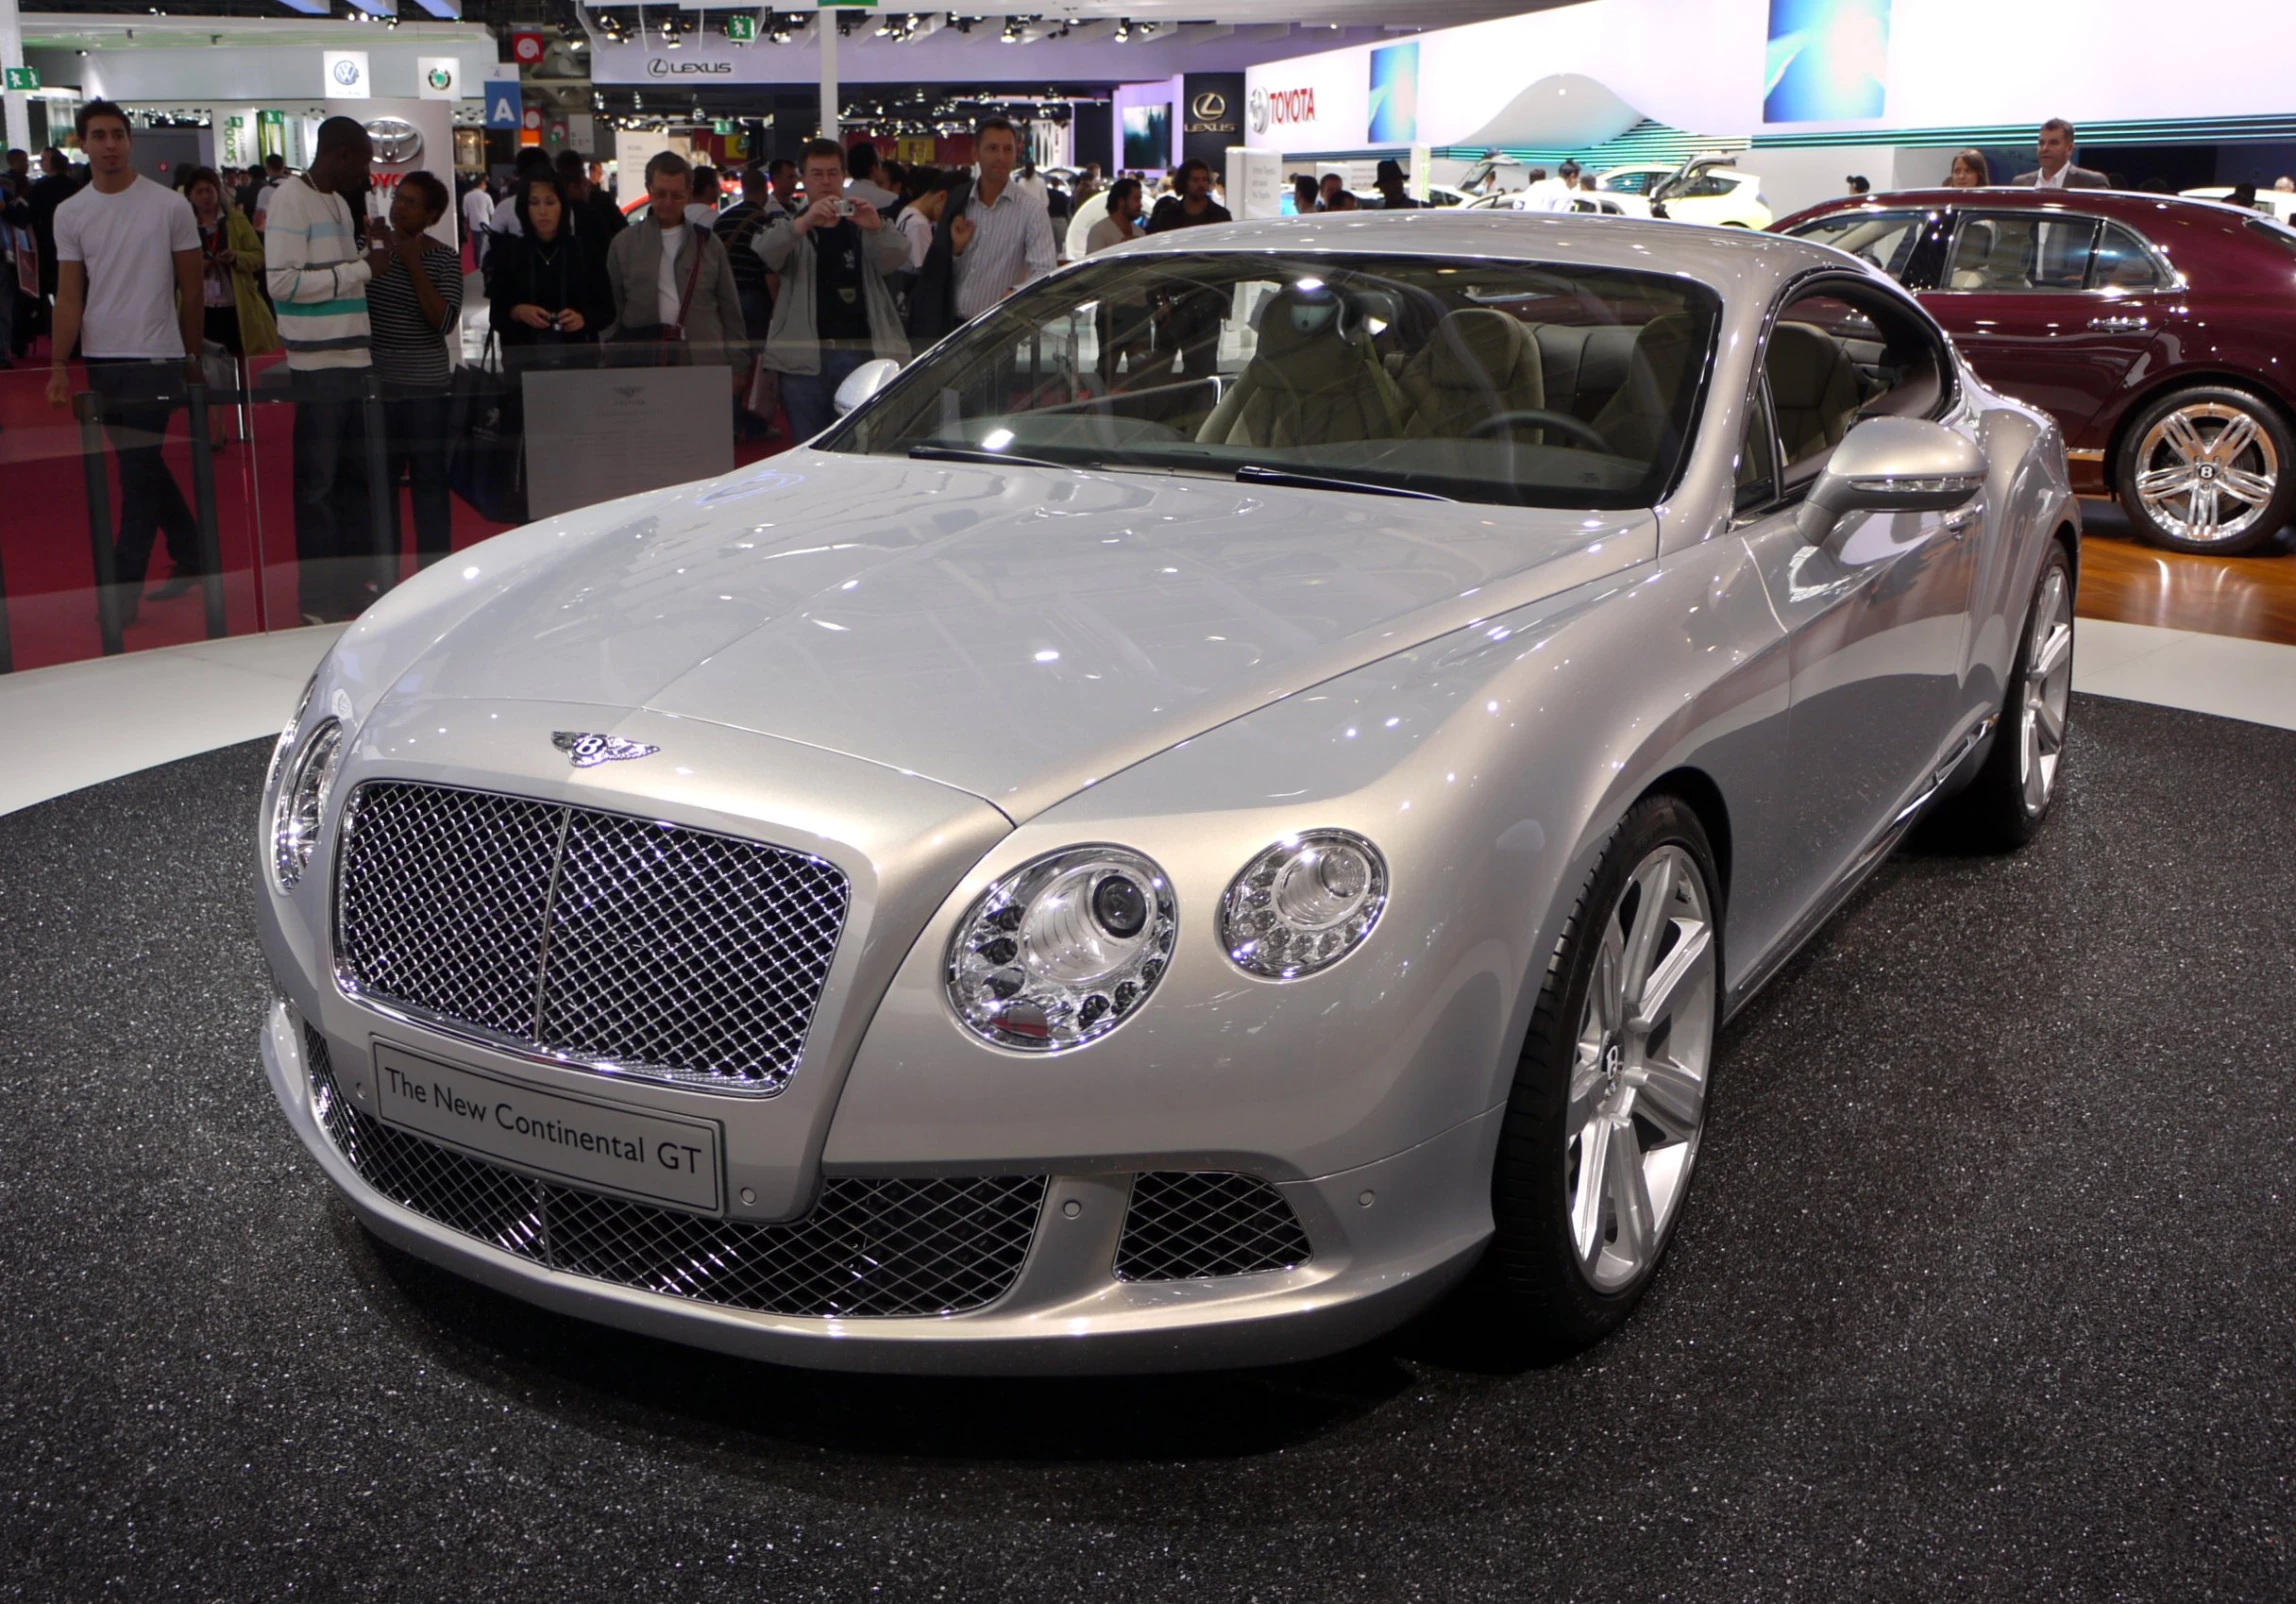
column 2160, row 332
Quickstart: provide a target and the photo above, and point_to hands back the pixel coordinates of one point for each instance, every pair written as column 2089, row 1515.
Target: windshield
column 1544, row 385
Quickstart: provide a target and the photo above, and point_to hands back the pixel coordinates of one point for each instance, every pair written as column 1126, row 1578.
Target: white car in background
column 1705, row 189
column 2277, row 204
column 1595, row 203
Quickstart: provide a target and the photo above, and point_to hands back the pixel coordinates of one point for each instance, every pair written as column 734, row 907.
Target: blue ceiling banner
column 1395, row 94
column 1828, row 61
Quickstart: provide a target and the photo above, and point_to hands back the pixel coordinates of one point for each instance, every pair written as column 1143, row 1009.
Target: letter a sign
column 503, row 105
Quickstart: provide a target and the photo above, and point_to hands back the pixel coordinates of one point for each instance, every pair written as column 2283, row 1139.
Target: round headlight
column 1062, row 950
column 302, row 802
column 1303, row 904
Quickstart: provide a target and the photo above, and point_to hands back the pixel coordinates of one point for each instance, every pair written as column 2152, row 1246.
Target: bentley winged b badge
column 588, row 751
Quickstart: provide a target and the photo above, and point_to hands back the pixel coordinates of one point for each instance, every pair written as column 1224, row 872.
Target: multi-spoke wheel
column 2046, row 694
column 2208, row 470
column 2004, row 804
column 1610, row 1096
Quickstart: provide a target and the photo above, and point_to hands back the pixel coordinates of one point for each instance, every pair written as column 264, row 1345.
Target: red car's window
column 2123, row 262
column 2006, row 251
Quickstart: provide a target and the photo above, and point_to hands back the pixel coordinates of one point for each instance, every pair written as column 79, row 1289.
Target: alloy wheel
column 2206, row 472
column 1638, row 1076
column 2048, row 689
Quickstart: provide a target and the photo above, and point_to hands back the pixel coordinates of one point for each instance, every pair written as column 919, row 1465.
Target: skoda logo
column 1259, row 111
column 346, row 73
column 1209, row 107
column 398, row 143
column 440, row 78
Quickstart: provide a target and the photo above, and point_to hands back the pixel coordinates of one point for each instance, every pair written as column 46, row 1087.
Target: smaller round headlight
column 1303, row 904
column 1062, row 950
column 302, row 803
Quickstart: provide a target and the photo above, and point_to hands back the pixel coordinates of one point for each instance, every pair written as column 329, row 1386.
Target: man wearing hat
column 1392, row 195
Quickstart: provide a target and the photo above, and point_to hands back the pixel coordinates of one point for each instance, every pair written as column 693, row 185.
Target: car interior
column 1481, row 381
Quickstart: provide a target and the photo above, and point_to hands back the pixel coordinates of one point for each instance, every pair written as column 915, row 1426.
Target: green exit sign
column 23, row 80
column 741, row 28
column 721, row 126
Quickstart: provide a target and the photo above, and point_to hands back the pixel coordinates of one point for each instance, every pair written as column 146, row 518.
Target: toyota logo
column 398, row 143
column 1209, row 107
column 1259, row 111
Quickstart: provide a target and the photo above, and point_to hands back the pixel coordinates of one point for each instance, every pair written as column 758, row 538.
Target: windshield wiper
column 1002, row 459
column 1254, row 474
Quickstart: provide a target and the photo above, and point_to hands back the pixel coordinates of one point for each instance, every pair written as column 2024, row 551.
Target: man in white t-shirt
column 129, row 294
column 477, row 215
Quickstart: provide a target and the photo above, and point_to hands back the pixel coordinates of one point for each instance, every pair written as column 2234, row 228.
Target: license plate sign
column 659, row 1158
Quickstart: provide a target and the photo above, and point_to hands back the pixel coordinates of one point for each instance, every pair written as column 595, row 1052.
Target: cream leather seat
column 1637, row 419
column 1814, row 388
column 1478, row 365
column 1315, row 381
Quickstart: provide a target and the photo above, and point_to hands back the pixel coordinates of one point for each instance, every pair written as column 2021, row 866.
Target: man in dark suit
column 2057, row 170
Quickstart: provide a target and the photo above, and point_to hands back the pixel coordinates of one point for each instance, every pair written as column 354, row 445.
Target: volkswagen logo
column 346, row 73
column 398, row 143
column 1209, row 107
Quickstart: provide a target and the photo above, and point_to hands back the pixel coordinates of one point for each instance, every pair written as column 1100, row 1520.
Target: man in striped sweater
column 318, row 270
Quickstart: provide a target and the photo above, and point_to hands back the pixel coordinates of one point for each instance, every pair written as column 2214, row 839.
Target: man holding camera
column 835, row 309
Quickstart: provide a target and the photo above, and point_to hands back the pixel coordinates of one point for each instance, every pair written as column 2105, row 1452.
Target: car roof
column 1726, row 258
column 2123, row 203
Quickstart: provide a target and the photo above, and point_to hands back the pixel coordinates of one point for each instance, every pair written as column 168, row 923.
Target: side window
column 1704, row 187
column 2020, row 251
column 2121, row 262
column 1836, row 356
column 1886, row 239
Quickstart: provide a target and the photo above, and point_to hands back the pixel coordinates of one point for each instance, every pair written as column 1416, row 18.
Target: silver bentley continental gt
column 1235, row 790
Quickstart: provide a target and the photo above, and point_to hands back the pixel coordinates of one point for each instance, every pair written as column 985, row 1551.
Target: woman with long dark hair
column 1970, row 170
column 546, row 285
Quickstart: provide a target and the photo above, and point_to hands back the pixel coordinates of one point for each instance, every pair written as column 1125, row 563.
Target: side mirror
column 1893, row 465
column 864, row 382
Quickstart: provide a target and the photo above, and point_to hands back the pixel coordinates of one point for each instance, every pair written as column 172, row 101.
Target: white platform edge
column 79, row 724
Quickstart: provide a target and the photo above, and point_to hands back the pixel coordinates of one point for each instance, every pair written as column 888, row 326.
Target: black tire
column 2275, row 451
column 1995, row 811
column 1532, row 1270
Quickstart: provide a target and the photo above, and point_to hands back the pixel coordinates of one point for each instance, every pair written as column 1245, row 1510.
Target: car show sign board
column 617, row 431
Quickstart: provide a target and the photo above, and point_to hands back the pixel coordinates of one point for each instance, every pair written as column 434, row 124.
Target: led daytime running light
column 1303, row 904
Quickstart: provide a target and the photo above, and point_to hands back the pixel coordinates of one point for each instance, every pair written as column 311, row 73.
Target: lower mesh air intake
column 867, row 1248
column 1194, row 1225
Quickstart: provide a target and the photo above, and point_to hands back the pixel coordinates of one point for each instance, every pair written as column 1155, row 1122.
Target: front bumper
column 1387, row 1238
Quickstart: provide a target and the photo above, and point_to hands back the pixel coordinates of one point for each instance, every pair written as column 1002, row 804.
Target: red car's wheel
column 2210, row 469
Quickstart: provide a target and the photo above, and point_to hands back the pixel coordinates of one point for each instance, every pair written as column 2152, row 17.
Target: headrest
column 1478, row 347
column 1803, row 365
column 1296, row 319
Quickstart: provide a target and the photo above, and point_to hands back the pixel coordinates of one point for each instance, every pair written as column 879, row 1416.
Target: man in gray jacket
column 672, row 282
column 834, row 310
column 2057, row 170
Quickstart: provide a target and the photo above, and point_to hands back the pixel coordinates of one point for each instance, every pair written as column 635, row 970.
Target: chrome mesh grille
column 602, row 937
column 867, row 1249
column 1193, row 1225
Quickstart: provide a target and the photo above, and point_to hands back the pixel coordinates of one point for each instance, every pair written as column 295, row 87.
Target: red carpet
column 48, row 567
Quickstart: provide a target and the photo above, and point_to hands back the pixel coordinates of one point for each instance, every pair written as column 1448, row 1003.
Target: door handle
column 2118, row 325
column 1958, row 524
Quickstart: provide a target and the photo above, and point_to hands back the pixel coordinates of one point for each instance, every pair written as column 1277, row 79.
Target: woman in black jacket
column 546, row 286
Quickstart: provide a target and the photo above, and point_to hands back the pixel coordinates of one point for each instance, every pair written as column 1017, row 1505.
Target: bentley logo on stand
column 588, row 751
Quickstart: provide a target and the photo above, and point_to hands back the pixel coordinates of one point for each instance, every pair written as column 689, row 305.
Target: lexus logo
column 1208, row 107
column 662, row 67
column 398, row 143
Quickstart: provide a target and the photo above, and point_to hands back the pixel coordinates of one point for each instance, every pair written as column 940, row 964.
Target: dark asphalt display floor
column 1987, row 1290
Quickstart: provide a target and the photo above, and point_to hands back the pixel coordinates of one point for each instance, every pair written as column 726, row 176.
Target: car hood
column 1015, row 633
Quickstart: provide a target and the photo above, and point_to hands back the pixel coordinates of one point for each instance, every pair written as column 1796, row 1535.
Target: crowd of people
column 791, row 273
